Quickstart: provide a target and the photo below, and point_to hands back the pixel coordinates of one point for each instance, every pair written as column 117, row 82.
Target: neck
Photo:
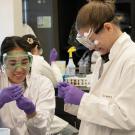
column 117, row 34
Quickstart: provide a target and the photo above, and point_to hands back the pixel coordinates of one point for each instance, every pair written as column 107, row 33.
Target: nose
column 19, row 68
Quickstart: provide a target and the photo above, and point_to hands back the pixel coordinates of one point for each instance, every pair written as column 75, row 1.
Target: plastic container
column 70, row 69
column 84, row 66
column 4, row 131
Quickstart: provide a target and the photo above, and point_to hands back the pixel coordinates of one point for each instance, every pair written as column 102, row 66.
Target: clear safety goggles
column 85, row 39
column 18, row 60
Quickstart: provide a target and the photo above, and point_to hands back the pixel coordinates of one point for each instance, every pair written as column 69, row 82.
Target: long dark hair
column 10, row 43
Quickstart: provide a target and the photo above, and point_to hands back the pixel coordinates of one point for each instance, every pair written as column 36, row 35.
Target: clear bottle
column 81, row 67
column 84, row 64
column 70, row 70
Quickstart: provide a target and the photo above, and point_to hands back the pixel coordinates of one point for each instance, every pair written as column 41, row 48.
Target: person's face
column 17, row 64
column 103, row 40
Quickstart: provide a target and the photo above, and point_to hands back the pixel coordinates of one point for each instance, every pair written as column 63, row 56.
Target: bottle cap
column 71, row 50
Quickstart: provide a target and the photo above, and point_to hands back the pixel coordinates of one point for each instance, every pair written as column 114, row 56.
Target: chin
column 103, row 52
column 17, row 80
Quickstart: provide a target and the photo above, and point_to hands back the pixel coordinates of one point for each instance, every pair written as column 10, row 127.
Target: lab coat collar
column 28, row 79
column 118, row 45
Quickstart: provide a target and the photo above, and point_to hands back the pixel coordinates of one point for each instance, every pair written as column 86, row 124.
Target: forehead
column 17, row 49
column 17, row 52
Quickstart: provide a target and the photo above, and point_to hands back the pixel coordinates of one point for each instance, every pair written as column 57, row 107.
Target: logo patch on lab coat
column 107, row 96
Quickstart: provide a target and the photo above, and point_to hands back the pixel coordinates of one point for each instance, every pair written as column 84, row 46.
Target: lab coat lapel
column 115, row 52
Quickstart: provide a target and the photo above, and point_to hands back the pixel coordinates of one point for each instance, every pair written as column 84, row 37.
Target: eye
column 12, row 63
column 25, row 62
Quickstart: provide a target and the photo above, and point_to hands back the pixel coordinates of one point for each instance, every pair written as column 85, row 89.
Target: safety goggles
column 85, row 39
column 18, row 60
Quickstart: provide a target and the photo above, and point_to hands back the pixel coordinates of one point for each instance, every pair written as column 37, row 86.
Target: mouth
column 98, row 49
column 19, row 75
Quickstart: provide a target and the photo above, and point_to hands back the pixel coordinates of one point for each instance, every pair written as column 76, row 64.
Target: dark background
column 63, row 14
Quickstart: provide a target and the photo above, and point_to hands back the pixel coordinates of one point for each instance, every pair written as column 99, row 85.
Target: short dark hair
column 10, row 43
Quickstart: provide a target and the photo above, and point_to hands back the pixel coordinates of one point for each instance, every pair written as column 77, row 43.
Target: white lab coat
column 40, row 66
column 109, row 108
column 40, row 90
column 26, row 29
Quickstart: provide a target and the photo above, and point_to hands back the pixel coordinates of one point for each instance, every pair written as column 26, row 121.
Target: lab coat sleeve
column 57, row 72
column 71, row 108
column 48, row 72
column 45, row 106
column 44, row 69
column 118, row 113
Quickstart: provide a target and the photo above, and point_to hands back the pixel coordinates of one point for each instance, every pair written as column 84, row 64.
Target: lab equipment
column 70, row 69
column 85, row 63
column 4, row 131
column 25, row 104
column 16, row 59
column 83, row 82
column 70, row 93
column 9, row 94
column 86, row 41
column 53, row 55
column 62, row 66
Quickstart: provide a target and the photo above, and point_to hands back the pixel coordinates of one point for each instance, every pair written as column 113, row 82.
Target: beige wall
column 10, row 18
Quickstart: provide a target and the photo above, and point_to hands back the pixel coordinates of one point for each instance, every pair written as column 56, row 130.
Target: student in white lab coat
column 27, row 102
column 39, row 64
column 109, row 108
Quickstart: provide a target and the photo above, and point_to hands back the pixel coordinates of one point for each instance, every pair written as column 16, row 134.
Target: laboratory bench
column 59, row 111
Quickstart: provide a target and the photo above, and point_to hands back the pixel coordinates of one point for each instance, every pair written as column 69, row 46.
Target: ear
column 108, row 26
column 35, row 50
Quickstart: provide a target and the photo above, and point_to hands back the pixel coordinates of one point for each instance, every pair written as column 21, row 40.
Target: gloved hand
column 9, row 94
column 26, row 105
column 53, row 55
column 70, row 93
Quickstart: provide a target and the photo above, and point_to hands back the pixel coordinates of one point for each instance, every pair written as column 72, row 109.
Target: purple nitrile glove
column 61, row 89
column 26, row 105
column 53, row 55
column 70, row 93
column 9, row 94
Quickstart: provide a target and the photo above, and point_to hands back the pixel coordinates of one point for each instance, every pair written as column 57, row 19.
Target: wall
column 48, row 36
column 11, row 18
